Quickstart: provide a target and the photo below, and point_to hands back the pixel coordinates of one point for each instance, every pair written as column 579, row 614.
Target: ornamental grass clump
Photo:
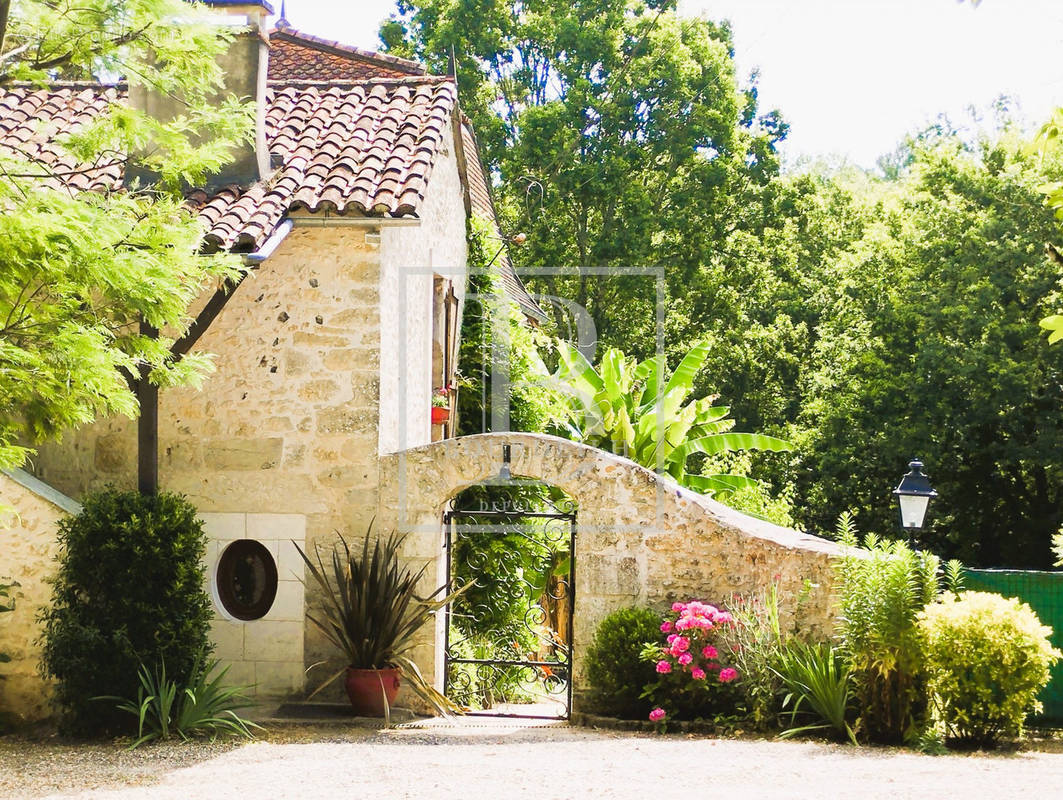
column 754, row 642
column 987, row 658
column 694, row 678
column 203, row 706
column 880, row 594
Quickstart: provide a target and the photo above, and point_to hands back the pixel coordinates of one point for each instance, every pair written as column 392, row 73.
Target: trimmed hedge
column 128, row 591
column 615, row 672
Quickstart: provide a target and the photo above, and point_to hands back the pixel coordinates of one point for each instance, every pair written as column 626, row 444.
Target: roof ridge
column 64, row 85
column 286, row 31
column 405, row 81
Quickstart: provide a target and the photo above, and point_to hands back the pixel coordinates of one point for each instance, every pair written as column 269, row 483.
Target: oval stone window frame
column 246, row 580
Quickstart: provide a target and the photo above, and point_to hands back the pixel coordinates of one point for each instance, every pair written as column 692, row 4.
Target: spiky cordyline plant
column 371, row 611
column 881, row 593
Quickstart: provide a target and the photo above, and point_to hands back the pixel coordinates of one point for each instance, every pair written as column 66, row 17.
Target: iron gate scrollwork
column 508, row 646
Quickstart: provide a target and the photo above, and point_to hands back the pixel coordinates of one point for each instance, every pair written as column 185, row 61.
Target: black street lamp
column 914, row 495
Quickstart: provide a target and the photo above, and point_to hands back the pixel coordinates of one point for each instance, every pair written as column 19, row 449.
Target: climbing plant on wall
column 493, row 328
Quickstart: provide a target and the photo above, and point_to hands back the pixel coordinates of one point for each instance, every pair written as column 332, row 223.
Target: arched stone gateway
column 640, row 538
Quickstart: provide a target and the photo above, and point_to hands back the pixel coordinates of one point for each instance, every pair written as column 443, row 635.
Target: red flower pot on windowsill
column 440, row 415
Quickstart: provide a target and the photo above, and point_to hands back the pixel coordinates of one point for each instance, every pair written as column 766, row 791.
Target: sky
column 852, row 77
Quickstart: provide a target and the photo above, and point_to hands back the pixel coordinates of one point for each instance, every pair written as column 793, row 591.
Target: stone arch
column 641, row 539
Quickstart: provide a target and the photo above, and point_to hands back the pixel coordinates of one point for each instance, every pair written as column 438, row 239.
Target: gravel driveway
column 489, row 760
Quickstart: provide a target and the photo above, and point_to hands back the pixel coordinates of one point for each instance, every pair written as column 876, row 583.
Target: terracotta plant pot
column 364, row 689
column 440, row 415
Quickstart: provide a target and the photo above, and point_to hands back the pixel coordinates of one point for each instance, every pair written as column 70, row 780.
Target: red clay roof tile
column 356, row 133
column 364, row 166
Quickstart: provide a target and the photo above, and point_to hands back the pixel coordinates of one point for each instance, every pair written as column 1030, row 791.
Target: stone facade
column 265, row 654
column 640, row 539
column 292, row 421
column 27, row 554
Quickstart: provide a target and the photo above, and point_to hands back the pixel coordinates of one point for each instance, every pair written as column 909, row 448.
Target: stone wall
column 292, row 421
column 27, row 553
column 265, row 654
column 409, row 260
column 640, row 539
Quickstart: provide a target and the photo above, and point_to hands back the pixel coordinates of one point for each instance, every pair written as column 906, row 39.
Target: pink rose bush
column 692, row 678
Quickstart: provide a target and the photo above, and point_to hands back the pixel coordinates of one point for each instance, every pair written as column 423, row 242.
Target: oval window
column 247, row 579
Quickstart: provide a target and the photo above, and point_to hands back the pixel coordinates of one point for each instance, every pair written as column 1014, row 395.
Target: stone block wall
column 265, row 654
column 28, row 548
column 640, row 539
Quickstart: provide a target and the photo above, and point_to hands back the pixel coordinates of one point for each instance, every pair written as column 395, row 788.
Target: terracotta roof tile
column 297, row 56
column 31, row 120
column 367, row 166
column 355, row 133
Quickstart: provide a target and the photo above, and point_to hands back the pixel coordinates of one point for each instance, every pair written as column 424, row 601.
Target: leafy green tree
column 619, row 136
column 926, row 349
column 79, row 273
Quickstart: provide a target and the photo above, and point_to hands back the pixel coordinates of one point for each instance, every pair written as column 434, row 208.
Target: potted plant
column 440, row 406
column 370, row 610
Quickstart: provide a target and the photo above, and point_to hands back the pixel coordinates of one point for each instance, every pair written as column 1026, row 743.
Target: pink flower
column 672, row 637
column 664, row 667
column 682, row 624
column 680, row 644
column 666, row 626
column 697, row 674
column 724, row 618
column 657, row 715
column 685, row 659
column 677, row 607
column 709, row 651
column 728, row 674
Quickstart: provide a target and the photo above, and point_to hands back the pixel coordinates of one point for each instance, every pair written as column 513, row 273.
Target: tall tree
column 927, row 349
column 86, row 278
column 618, row 134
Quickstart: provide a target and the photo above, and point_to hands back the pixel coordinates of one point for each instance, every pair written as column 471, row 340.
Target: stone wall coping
column 43, row 490
column 724, row 515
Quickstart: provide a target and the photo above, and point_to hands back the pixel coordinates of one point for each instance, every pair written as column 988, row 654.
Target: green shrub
column 615, row 672
column 128, row 591
column 880, row 595
column 7, row 604
column 987, row 658
column 694, row 677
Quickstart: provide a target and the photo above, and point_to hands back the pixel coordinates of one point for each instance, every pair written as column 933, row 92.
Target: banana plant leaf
column 638, row 411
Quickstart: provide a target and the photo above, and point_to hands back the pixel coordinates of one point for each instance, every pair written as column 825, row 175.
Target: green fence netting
column 1043, row 591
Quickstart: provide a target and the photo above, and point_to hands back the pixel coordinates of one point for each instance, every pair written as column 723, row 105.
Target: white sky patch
column 852, row 77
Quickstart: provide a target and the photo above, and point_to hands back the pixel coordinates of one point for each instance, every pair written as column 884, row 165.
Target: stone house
column 350, row 208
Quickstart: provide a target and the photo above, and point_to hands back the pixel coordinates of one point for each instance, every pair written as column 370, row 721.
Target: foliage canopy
column 78, row 272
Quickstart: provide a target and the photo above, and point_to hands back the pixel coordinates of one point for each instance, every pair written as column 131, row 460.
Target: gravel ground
column 488, row 759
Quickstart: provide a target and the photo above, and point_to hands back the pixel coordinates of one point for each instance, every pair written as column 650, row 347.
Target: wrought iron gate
column 509, row 636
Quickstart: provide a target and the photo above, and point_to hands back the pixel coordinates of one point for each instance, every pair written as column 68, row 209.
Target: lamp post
column 914, row 495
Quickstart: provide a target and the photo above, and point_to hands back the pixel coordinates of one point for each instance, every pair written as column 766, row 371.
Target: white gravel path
column 488, row 761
